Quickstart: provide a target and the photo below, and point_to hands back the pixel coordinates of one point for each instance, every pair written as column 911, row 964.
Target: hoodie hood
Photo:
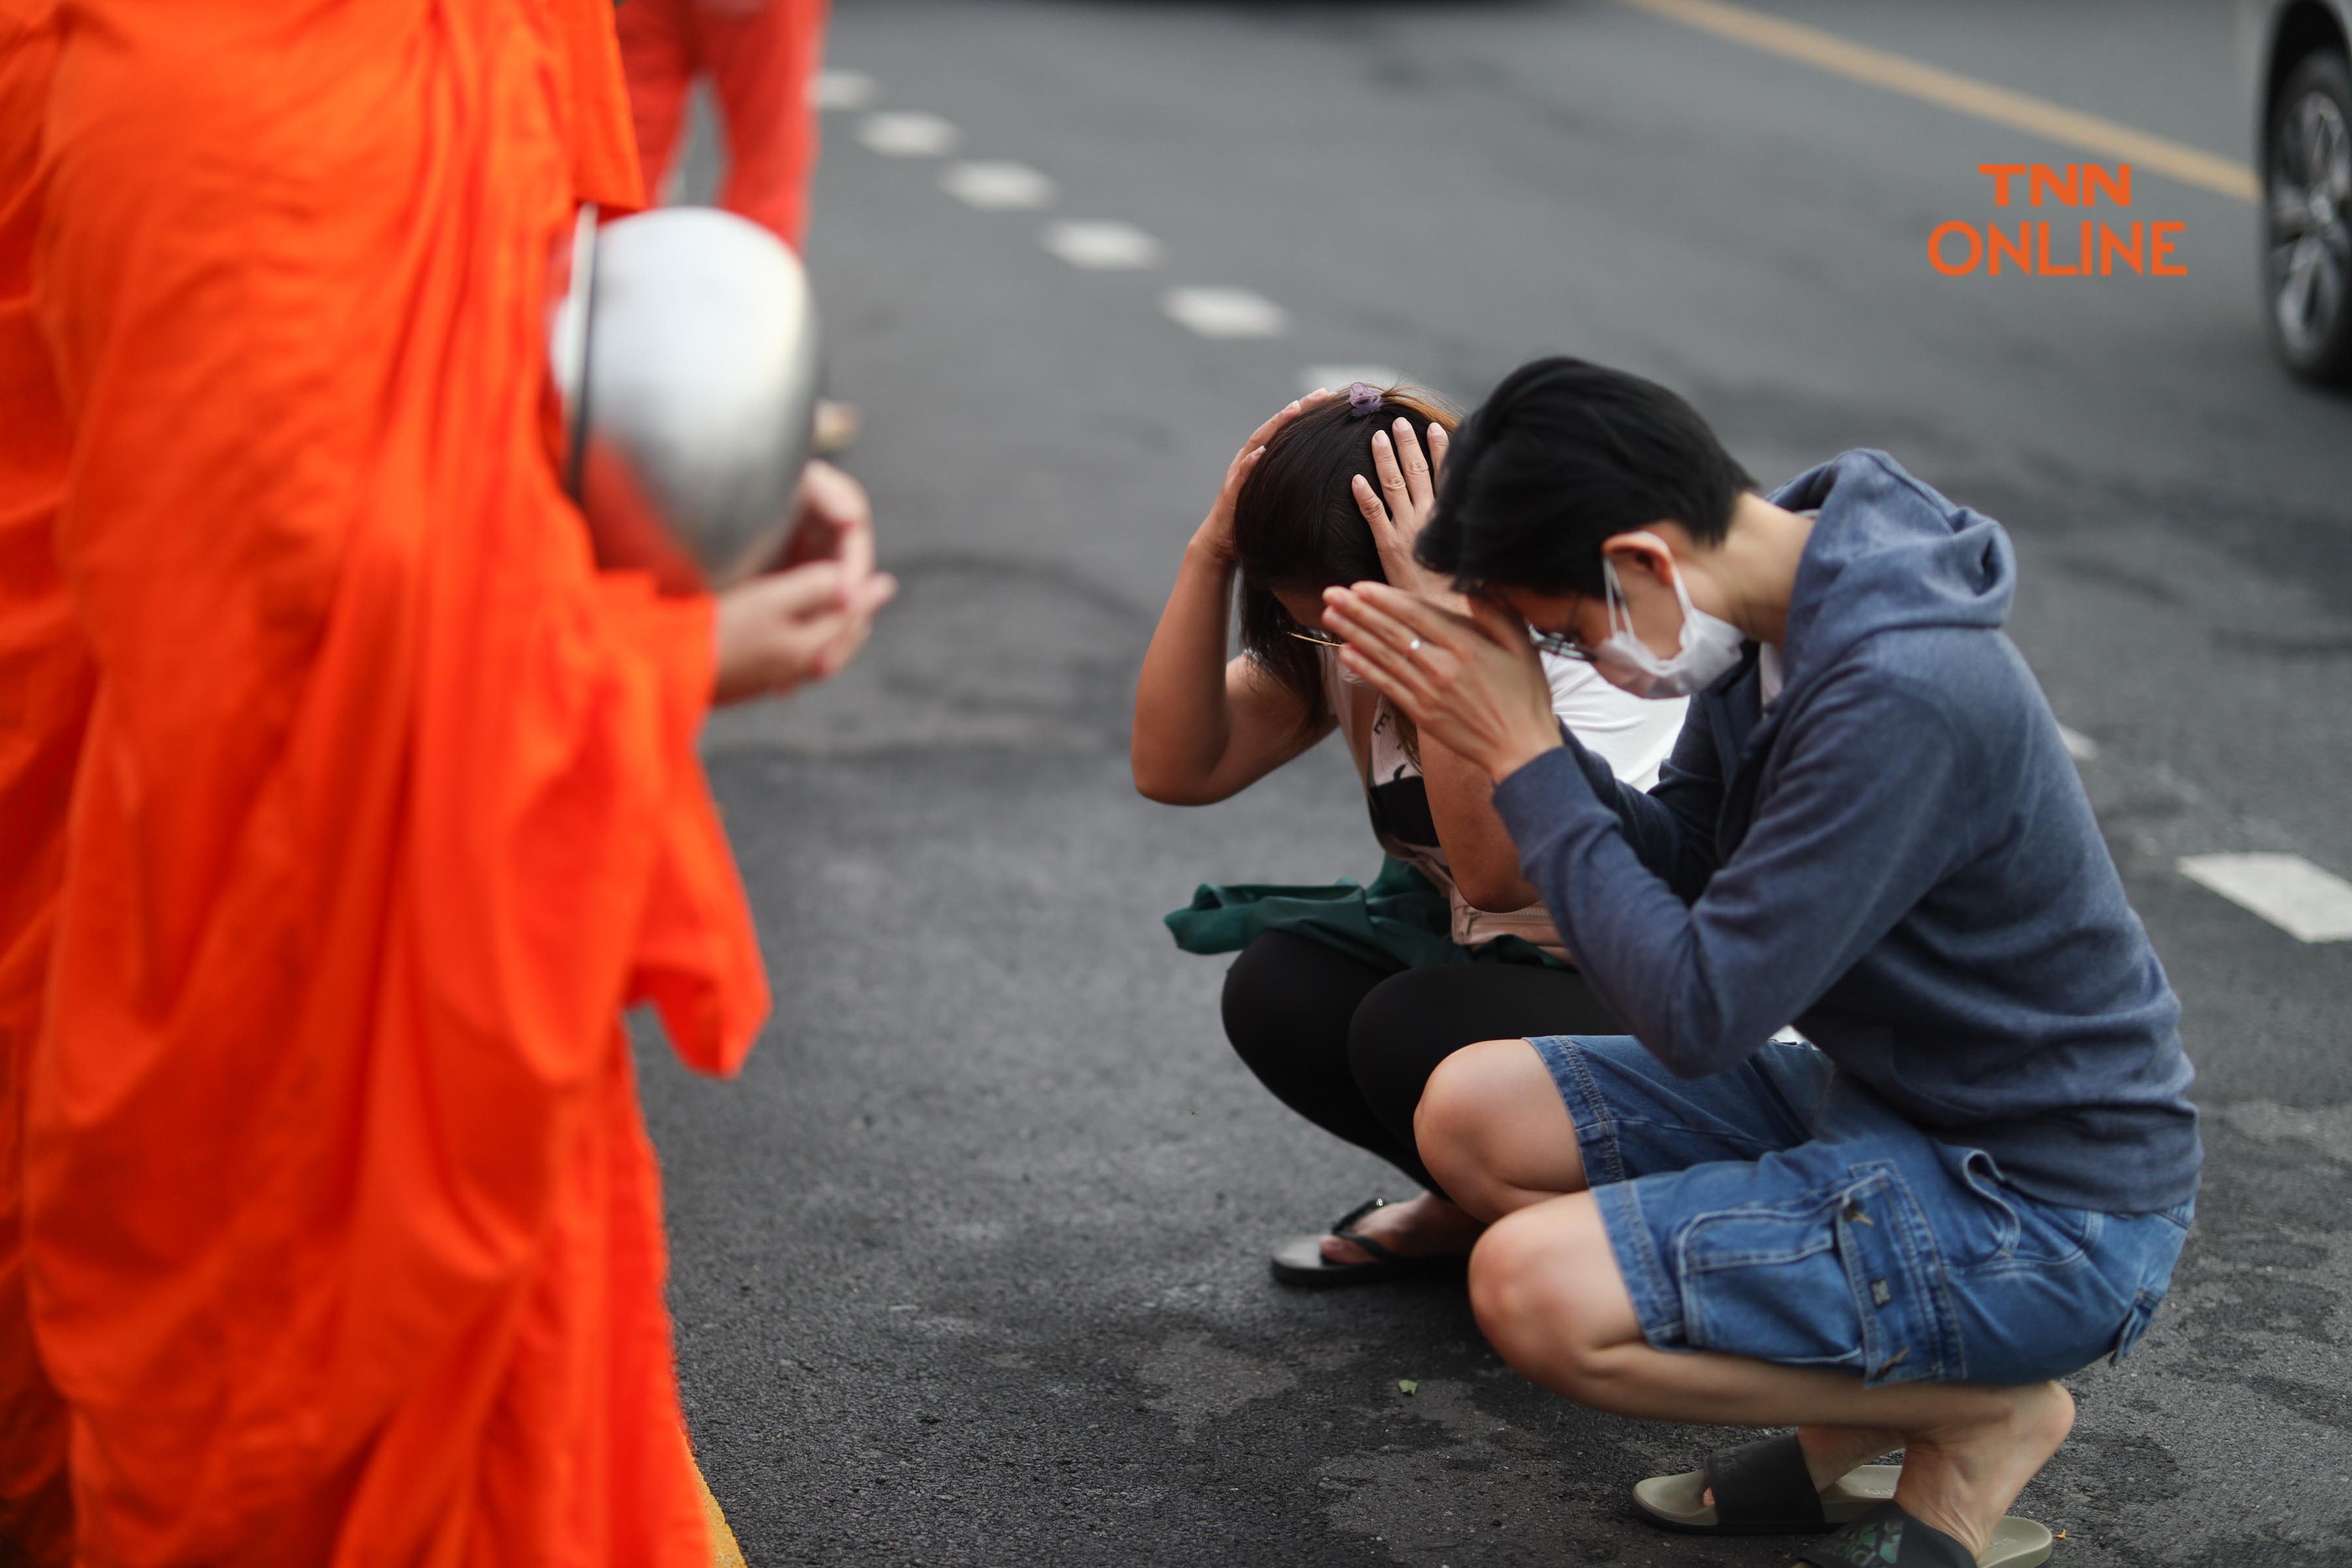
column 1888, row 553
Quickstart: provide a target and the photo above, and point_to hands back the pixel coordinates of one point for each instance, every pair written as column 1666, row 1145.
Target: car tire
column 2307, row 220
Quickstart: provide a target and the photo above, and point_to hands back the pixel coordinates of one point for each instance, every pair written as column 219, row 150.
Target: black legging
column 1349, row 1045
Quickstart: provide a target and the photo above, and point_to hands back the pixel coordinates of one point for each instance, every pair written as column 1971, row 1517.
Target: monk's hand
column 1471, row 680
column 830, row 510
column 787, row 628
column 1215, row 534
column 835, row 523
column 1399, row 505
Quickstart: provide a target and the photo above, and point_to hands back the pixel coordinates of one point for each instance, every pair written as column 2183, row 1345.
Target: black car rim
column 2311, row 221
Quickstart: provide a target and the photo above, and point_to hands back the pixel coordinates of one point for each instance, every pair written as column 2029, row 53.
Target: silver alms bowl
column 695, row 335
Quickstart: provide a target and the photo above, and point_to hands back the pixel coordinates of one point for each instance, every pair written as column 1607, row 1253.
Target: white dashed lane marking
column 2289, row 891
column 1339, row 377
column 909, row 134
column 2079, row 746
column 1003, row 185
column 843, row 90
column 998, row 186
column 1225, row 313
column 1100, row 246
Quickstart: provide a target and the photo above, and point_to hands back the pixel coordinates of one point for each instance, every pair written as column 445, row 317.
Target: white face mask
column 1710, row 647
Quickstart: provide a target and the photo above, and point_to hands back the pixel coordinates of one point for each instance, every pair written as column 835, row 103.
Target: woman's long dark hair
column 1296, row 527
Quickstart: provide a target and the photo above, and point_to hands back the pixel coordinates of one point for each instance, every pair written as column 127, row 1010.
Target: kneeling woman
column 1343, row 1001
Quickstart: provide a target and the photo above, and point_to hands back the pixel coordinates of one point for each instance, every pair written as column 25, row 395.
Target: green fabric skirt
column 1401, row 920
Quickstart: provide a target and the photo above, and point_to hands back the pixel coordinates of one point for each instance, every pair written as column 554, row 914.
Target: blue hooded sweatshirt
column 1898, row 858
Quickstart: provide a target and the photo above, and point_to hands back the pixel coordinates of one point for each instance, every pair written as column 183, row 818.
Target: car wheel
column 2307, row 191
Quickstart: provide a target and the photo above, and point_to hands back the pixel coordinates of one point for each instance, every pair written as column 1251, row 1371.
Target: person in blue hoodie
column 1977, row 1176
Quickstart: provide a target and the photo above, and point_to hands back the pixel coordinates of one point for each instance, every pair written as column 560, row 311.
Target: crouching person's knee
column 1493, row 1131
column 1452, row 1126
column 1531, row 1289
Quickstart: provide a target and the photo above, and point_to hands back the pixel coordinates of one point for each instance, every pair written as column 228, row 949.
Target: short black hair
column 1562, row 455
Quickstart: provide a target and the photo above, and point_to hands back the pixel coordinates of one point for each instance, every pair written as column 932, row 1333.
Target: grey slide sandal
column 1762, row 1489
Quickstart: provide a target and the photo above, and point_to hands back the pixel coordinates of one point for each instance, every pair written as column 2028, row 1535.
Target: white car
column 2297, row 56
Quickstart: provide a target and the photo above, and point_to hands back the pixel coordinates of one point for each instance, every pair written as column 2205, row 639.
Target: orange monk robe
column 45, row 684
column 760, row 56
column 344, row 1229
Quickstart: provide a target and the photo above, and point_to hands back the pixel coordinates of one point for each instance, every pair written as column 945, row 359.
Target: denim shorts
column 1782, row 1212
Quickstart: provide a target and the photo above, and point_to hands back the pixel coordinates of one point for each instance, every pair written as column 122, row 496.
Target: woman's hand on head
column 1216, row 532
column 786, row 628
column 1399, row 505
column 1471, row 680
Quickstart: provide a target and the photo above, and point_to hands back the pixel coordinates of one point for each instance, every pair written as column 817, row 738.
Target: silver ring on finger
column 1414, row 646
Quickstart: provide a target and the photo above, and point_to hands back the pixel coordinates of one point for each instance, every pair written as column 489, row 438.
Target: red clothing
column 344, row 1231
column 761, row 65
column 45, row 687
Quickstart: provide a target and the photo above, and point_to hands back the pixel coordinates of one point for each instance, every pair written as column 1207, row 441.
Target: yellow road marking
column 1875, row 67
column 724, row 1553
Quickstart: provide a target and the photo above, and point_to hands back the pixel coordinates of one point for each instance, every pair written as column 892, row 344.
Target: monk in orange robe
column 760, row 56
column 343, row 1231
column 45, row 687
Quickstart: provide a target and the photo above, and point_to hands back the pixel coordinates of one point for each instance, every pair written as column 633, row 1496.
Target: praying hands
column 1473, row 682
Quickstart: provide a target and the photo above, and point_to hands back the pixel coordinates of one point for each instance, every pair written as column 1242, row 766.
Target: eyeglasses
column 1560, row 645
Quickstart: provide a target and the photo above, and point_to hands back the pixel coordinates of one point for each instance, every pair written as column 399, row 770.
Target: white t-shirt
column 1632, row 734
column 1769, row 674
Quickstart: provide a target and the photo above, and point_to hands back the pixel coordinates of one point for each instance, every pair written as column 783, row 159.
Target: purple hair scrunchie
column 1363, row 398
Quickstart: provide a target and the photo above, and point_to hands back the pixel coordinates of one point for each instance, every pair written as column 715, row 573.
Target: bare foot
column 1831, row 1451
column 1425, row 1227
column 1962, row 1477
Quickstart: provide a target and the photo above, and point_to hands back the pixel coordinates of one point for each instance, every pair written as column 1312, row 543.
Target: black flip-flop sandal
column 1762, row 1489
column 1300, row 1260
column 1891, row 1538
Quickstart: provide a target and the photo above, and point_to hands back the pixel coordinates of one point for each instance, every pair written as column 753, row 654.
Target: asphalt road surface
column 970, row 1264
